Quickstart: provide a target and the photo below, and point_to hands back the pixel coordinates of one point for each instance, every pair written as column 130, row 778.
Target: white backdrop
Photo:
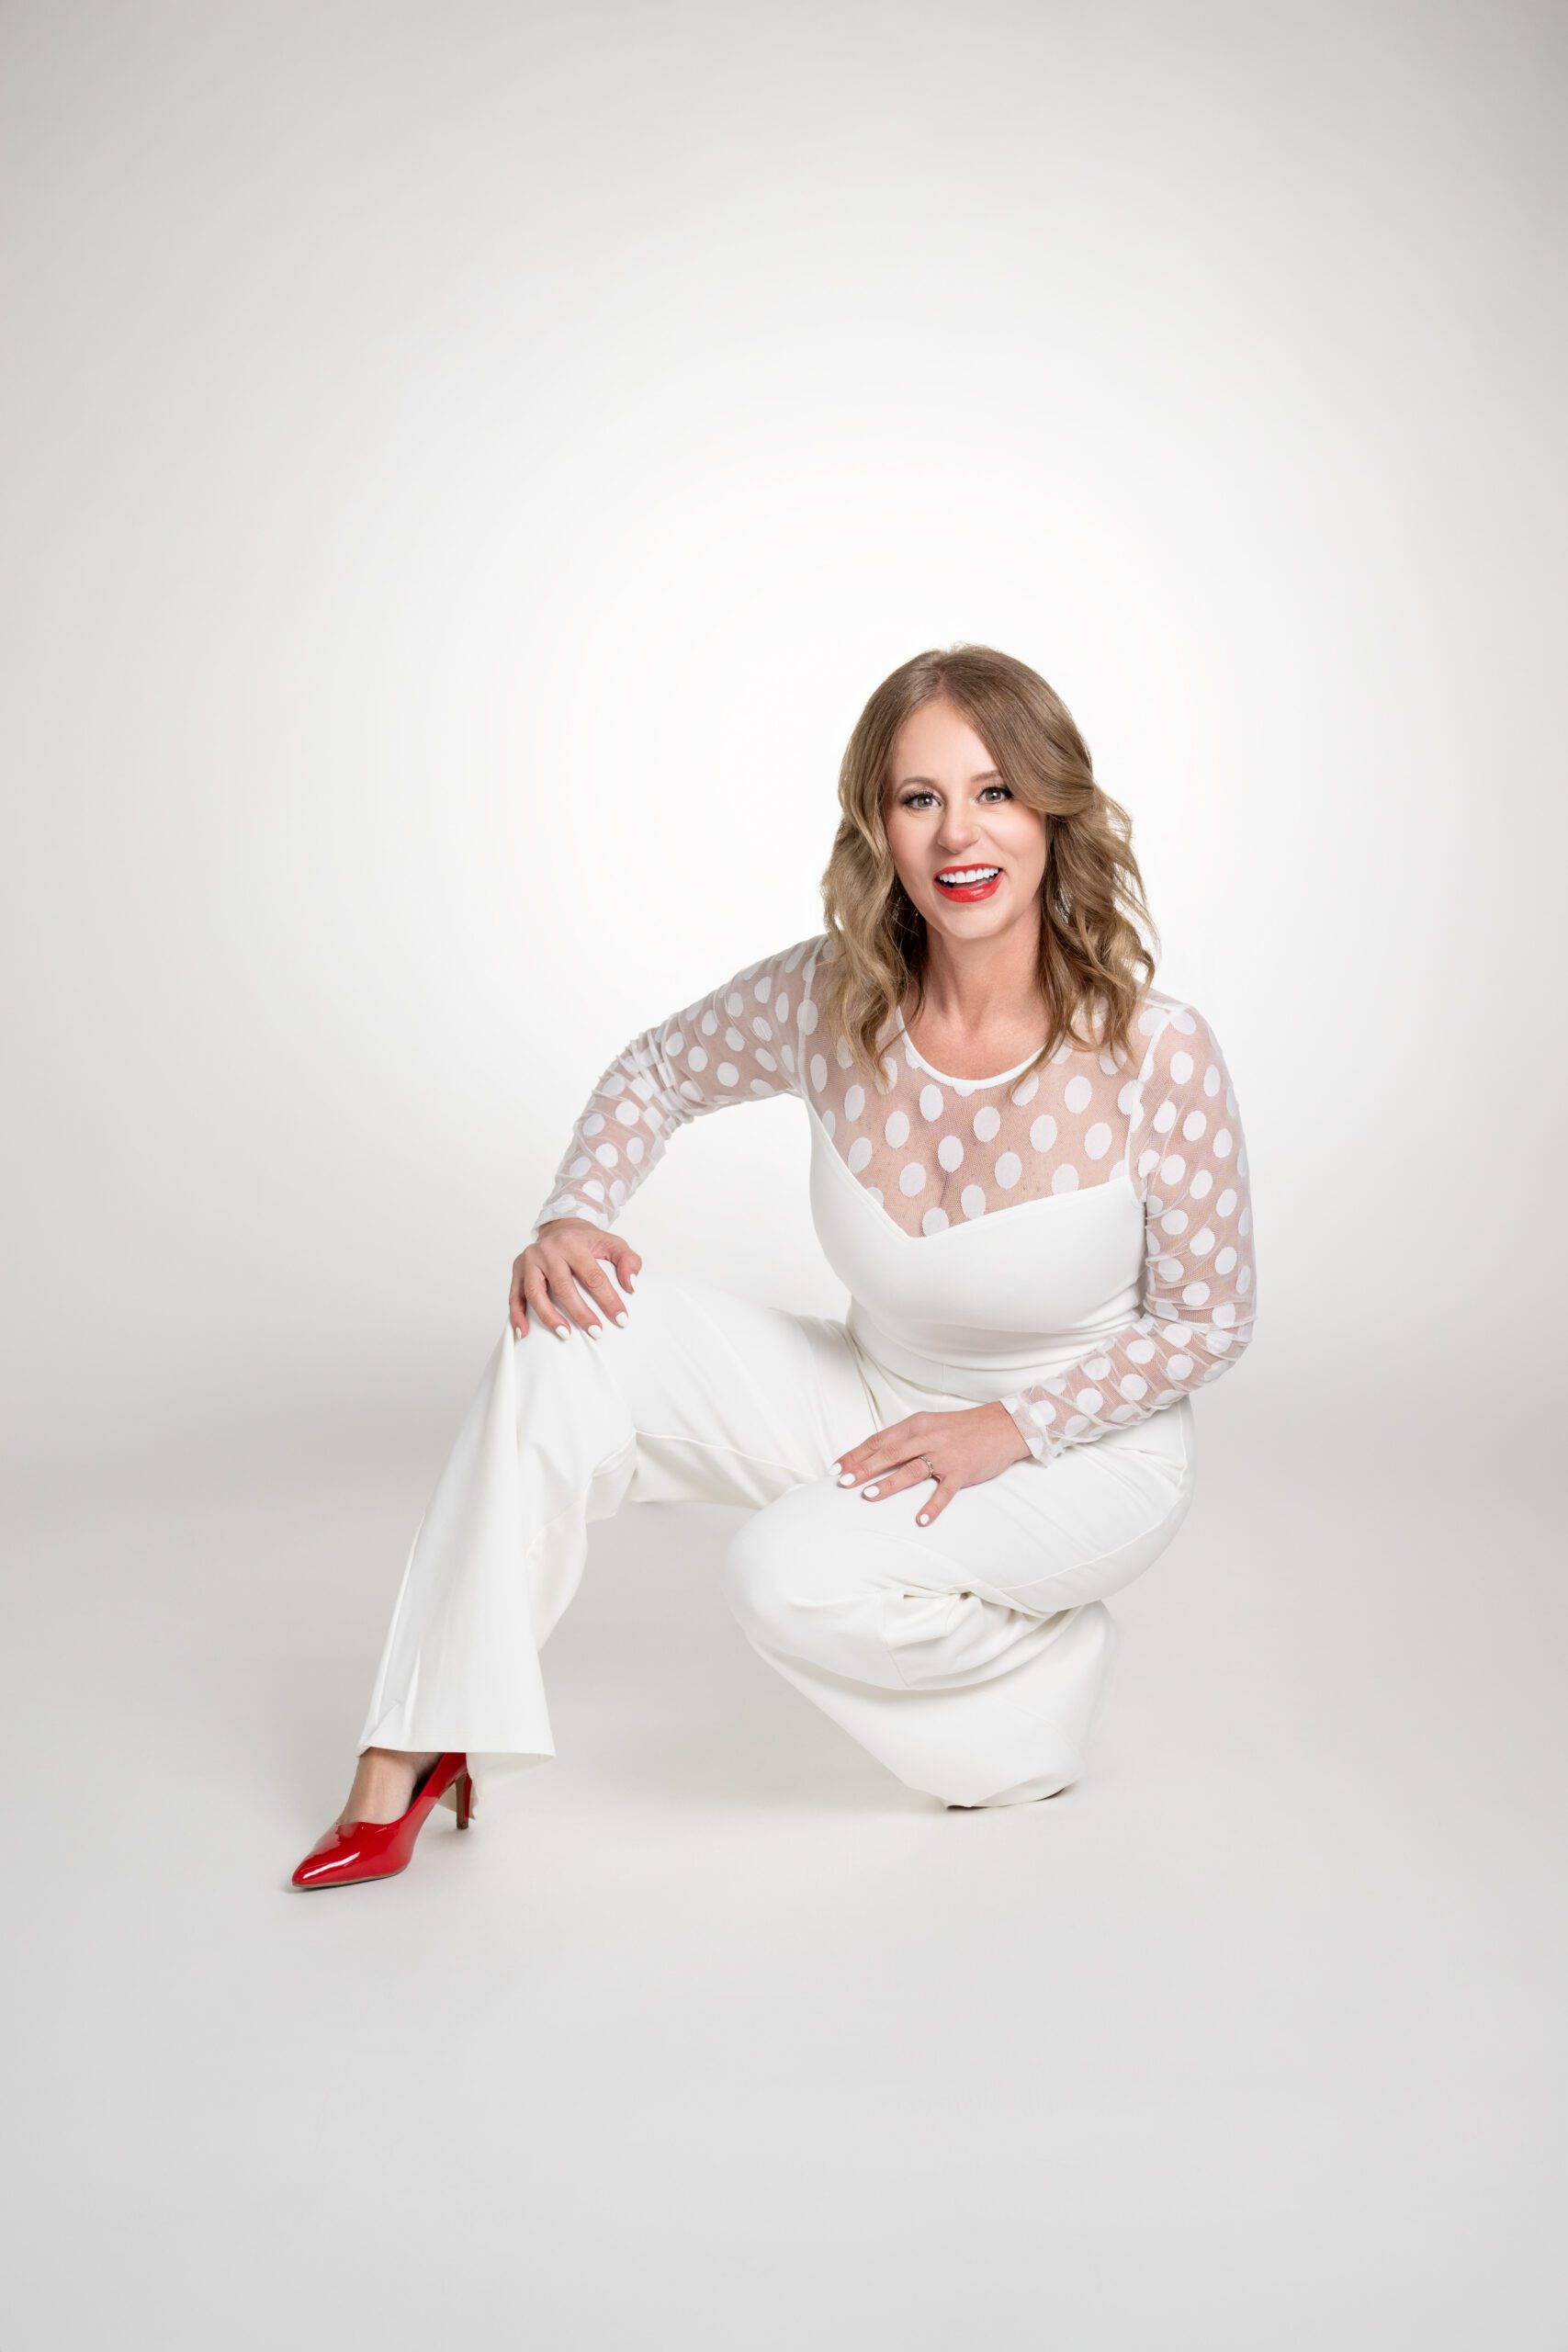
column 462, row 469
column 467, row 468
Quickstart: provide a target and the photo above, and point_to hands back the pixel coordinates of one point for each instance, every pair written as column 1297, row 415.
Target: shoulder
column 1178, row 1039
column 790, row 974
column 760, row 982
column 767, row 1000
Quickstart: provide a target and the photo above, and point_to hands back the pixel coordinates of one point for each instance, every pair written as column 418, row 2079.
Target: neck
column 981, row 983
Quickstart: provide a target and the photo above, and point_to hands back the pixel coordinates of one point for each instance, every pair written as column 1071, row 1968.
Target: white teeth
column 969, row 873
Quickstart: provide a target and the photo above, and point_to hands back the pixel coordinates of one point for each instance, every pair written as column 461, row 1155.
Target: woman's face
column 948, row 811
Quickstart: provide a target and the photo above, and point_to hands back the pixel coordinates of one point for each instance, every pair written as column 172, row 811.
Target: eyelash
column 907, row 799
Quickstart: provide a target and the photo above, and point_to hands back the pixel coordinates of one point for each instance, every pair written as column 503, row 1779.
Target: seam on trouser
column 735, row 1453
column 1002, row 1594
column 887, row 1543
column 891, row 1543
column 1035, row 1616
column 1184, row 1489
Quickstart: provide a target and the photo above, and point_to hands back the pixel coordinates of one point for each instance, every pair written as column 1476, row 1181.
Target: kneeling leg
column 970, row 1656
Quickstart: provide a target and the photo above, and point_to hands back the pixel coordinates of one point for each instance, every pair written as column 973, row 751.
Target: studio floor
column 711, row 2034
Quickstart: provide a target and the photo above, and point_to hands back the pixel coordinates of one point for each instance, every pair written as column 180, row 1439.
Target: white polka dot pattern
column 1200, row 1271
column 934, row 1153
column 744, row 1041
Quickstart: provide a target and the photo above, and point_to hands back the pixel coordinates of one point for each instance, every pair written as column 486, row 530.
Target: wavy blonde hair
column 1091, row 954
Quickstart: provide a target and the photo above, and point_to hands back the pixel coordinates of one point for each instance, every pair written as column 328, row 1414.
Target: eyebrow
column 986, row 775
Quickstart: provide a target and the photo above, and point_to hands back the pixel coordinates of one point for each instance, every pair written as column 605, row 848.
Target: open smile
column 968, row 882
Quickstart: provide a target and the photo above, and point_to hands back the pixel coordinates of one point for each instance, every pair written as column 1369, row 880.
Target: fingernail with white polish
column 834, row 1468
column 847, row 1479
column 620, row 1318
column 870, row 1491
column 925, row 1519
column 560, row 1331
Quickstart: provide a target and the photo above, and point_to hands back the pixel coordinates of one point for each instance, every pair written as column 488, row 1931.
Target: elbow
column 1224, row 1344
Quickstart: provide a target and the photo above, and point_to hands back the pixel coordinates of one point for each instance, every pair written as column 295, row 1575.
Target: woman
column 1028, row 1170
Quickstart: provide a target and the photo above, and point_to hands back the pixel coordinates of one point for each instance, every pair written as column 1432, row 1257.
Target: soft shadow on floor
column 709, row 2015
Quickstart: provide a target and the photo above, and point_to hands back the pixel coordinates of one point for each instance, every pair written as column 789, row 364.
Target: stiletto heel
column 351, row 1850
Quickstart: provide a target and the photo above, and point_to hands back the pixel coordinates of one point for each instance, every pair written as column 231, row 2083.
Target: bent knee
column 777, row 1563
column 751, row 1575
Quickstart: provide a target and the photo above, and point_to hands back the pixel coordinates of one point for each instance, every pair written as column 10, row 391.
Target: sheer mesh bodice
column 936, row 1152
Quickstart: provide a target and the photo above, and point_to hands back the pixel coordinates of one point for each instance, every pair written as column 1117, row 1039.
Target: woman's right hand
column 565, row 1268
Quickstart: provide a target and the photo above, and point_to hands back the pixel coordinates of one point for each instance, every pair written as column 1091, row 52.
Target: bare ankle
column 384, row 1782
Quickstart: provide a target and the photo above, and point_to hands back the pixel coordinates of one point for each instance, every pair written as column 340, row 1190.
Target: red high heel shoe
column 351, row 1851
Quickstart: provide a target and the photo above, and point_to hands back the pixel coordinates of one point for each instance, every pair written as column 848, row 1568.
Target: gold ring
column 931, row 1465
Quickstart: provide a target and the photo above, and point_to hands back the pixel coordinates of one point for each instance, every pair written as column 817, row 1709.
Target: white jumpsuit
column 1074, row 1243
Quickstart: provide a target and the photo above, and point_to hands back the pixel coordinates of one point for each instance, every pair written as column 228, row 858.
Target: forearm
column 1199, row 1282
column 1144, row 1370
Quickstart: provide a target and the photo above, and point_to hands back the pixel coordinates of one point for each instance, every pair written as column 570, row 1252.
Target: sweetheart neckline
column 1014, row 1208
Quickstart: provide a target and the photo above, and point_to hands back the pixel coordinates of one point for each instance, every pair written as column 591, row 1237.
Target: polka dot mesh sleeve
column 735, row 1045
column 1189, row 1158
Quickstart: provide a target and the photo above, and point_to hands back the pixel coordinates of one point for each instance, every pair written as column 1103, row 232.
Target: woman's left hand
column 964, row 1450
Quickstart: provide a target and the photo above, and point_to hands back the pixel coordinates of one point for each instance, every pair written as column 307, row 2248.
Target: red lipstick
column 970, row 891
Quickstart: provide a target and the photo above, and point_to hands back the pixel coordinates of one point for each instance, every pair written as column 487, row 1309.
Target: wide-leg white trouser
column 970, row 1656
